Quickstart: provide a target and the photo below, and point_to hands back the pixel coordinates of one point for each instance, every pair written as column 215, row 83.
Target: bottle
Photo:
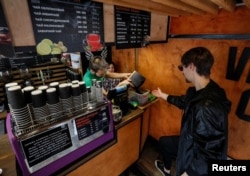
column 84, row 93
column 98, row 91
column 93, row 91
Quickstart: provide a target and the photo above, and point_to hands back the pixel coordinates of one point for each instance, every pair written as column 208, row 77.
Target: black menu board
column 131, row 27
column 91, row 123
column 66, row 26
column 44, row 145
column 88, row 125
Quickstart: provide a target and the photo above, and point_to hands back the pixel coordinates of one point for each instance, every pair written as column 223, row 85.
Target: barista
column 111, row 83
column 98, row 70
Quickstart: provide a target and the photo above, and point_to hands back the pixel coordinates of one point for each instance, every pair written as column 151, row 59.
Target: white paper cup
column 75, row 60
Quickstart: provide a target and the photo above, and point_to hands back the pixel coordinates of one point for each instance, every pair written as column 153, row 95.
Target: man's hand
column 160, row 94
column 157, row 92
column 125, row 82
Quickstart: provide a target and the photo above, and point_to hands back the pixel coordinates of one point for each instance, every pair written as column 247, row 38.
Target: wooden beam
column 123, row 4
column 146, row 5
column 247, row 3
column 228, row 5
column 180, row 5
column 204, row 5
column 156, row 6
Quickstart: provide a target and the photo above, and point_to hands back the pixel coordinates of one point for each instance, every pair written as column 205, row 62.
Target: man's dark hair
column 98, row 63
column 201, row 57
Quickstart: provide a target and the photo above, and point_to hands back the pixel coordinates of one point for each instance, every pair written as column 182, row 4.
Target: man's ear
column 192, row 66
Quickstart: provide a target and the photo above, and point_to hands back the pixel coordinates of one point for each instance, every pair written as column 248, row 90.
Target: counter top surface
column 128, row 118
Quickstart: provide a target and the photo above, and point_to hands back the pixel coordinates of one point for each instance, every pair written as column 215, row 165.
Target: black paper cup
column 64, row 91
column 10, row 85
column 16, row 97
column 43, row 89
column 75, row 82
column 82, row 87
column 52, row 96
column 38, row 99
column 27, row 93
column 75, row 90
column 55, row 85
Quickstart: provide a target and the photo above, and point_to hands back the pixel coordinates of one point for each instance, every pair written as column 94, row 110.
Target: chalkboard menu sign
column 45, row 145
column 131, row 27
column 64, row 26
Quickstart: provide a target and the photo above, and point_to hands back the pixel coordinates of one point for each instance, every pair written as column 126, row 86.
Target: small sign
column 45, row 145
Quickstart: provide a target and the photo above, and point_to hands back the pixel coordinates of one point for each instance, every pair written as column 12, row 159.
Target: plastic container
column 141, row 97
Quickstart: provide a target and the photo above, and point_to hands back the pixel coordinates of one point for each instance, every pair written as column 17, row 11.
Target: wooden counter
column 7, row 157
column 118, row 157
column 110, row 159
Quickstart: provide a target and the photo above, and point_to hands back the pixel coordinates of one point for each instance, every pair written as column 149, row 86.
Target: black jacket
column 204, row 128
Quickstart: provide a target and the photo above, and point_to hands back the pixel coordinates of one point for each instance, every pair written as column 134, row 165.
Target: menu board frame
column 132, row 27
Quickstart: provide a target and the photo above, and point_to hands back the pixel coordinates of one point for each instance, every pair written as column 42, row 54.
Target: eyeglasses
column 180, row 67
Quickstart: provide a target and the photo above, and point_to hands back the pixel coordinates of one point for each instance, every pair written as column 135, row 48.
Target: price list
column 131, row 27
column 66, row 22
column 88, row 125
column 45, row 145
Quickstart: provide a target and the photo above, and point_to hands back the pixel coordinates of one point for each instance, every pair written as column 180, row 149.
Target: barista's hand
column 125, row 82
column 126, row 75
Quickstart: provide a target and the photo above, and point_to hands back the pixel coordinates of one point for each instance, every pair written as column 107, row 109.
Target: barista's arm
column 117, row 75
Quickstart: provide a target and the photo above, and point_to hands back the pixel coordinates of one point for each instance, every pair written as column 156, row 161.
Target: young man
column 204, row 126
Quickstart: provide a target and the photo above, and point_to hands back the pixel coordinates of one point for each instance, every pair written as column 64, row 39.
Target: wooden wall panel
column 19, row 21
column 158, row 63
column 158, row 27
column 109, row 24
column 223, row 23
column 125, row 59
